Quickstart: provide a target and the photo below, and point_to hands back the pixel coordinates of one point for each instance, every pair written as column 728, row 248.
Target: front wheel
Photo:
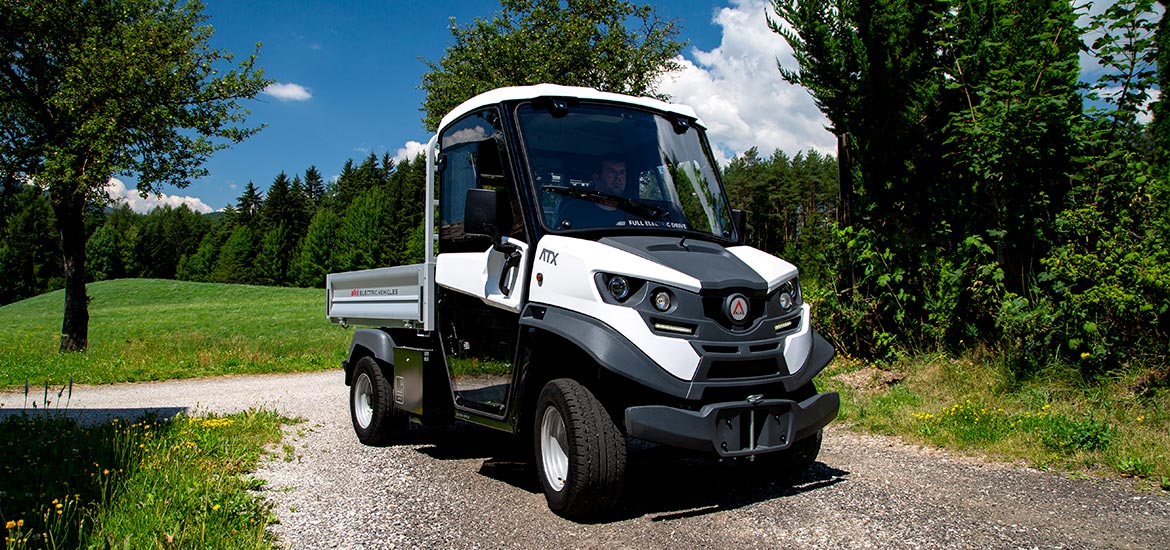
column 580, row 452
column 371, row 408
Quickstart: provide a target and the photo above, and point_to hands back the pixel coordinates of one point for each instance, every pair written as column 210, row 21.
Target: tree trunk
column 70, row 211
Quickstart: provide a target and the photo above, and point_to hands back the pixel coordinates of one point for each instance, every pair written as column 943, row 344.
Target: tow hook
column 754, row 400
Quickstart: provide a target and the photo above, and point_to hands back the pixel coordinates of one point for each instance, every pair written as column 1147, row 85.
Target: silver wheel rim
column 363, row 396
column 553, row 443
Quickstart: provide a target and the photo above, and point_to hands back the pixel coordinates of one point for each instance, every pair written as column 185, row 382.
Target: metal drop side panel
column 399, row 296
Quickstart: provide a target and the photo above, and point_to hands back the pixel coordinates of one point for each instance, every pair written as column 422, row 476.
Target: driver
column 609, row 178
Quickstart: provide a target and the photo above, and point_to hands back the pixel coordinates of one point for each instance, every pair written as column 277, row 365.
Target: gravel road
column 464, row 488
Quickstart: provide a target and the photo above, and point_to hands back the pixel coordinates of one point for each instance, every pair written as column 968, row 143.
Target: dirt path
column 464, row 488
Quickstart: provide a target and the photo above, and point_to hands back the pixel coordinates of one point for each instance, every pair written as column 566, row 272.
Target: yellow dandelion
column 10, row 525
column 214, row 508
column 20, row 523
column 1141, row 418
column 1085, row 355
column 59, row 512
column 105, row 472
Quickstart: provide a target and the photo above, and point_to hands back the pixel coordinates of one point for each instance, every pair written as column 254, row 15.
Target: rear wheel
column 580, row 452
column 371, row 405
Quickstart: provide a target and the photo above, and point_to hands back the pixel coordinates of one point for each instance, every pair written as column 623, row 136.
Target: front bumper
column 737, row 428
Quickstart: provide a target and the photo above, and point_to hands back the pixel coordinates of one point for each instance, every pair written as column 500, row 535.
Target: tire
column 580, row 452
column 371, row 405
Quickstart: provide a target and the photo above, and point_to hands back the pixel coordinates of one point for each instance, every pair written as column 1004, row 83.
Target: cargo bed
column 396, row 296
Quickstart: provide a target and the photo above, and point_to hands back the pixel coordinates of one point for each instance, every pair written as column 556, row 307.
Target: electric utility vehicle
column 585, row 282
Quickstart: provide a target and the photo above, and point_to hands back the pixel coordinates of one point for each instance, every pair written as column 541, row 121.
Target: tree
column 578, row 42
column 248, row 205
column 1160, row 126
column 364, row 234
column 314, row 186
column 276, row 204
column 274, row 259
column 90, row 89
column 315, row 258
column 29, row 257
column 236, row 259
column 165, row 235
column 200, row 265
column 956, row 121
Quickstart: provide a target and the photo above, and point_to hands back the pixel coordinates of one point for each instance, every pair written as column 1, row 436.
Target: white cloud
column 288, row 91
column 118, row 193
column 409, row 151
column 737, row 91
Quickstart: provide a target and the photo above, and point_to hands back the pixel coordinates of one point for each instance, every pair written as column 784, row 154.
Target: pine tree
column 237, row 257
column 30, row 261
column 345, row 188
column 274, row 257
column 201, row 265
column 314, row 186
column 364, row 238
column 315, row 258
column 276, row 205
column 248, row 205
column 299, row 209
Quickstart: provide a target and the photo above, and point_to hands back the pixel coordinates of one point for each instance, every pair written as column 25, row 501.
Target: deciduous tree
column 611, row 45
column 94, row 88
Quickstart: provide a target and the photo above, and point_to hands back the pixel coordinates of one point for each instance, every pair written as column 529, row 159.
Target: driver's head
column 611, row 178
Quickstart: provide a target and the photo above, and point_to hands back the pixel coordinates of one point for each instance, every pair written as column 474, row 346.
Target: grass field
column 149, row 329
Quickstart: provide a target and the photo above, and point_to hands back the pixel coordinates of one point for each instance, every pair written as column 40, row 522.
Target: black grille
column 743, row 368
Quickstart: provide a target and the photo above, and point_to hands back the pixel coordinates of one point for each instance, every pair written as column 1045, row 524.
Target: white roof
column 556, row 90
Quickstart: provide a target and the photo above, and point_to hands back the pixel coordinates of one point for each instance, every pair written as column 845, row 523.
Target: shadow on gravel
column 665, row 483
column 91, row 417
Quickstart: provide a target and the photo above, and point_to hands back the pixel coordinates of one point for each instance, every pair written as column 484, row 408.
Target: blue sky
column 348, row 74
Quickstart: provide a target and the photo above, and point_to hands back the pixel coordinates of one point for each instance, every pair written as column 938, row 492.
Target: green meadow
column 150, row 329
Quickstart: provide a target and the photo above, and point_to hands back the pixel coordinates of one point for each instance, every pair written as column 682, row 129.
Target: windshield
column 603, row 166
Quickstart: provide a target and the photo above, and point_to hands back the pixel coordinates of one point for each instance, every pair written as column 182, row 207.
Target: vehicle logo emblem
column 737, row 307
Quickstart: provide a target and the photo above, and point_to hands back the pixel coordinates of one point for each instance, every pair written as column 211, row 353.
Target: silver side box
column 397, row 296
column 408, row 378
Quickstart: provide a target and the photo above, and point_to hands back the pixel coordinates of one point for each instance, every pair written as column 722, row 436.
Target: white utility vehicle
column 588, row 282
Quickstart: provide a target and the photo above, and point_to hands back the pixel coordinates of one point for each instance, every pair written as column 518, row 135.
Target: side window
column 473, row 157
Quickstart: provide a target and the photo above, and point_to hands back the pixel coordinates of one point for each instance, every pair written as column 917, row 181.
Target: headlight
column 788, row 295
column 619, row 287
column 662, row 300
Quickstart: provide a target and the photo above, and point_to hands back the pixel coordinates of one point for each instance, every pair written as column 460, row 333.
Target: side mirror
column 739, row 218
column 479, row 214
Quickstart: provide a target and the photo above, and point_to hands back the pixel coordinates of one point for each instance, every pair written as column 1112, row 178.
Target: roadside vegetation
column 974, row 404
column 180, row 483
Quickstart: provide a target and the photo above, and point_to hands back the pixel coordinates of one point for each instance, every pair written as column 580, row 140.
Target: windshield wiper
column 645, row 211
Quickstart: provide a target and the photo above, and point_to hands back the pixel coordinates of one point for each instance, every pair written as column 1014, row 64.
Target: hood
column 710, row 263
